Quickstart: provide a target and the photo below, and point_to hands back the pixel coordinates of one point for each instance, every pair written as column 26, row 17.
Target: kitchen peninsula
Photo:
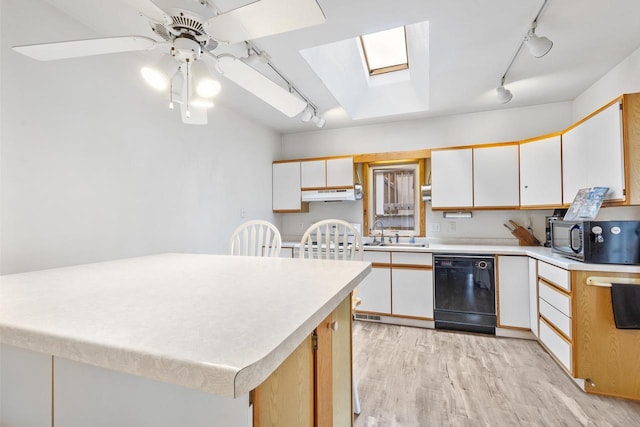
column 169, row 339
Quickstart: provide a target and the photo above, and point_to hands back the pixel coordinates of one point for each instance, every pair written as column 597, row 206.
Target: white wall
column 623, row 78
column 95, row 167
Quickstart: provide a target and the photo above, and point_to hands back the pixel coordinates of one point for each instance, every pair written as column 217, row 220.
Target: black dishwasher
column 465, row 293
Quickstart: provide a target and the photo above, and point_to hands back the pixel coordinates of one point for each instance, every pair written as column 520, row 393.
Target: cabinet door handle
column 333, row 325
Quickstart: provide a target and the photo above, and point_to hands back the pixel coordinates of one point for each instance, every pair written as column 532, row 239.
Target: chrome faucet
column 374, row 228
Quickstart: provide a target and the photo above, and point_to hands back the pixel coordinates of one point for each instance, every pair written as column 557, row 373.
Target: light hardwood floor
column 423, row 377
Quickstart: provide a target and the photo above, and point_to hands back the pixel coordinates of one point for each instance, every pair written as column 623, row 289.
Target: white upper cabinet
column 541, row 173
column 328, row 173
column 452, row 178
column 495, row 176
column 313, row 174
column 286, row 187
column 593, row 156
column 340, row 172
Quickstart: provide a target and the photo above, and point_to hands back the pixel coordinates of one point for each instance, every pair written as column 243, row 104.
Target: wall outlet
column 301, row 226
column 243, row 213
column 451, row 227
column 434, row 227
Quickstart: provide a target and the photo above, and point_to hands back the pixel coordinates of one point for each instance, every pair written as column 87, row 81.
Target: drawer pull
column 605, row 282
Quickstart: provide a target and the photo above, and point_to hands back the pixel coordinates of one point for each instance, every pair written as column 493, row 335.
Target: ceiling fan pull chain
column 188, row 95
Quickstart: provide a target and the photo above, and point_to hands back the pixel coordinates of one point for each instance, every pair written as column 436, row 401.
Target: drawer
column 556, row 318
column 377, row 256
column 557, row 345
column 555, row 275
column 558, row 300
column 412, row 258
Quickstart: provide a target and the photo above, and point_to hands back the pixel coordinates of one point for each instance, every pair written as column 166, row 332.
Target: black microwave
column 597, row 242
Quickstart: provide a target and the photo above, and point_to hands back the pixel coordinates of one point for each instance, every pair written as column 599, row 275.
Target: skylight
column 385, row 51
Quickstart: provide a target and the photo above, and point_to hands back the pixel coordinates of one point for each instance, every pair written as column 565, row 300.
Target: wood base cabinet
column 607, row 357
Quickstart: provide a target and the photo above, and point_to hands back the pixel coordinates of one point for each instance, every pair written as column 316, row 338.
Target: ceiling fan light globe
column 201, row 103
column 208, row 88
column 155, row 78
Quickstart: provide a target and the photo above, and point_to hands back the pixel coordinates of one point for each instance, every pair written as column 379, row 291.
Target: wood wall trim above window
column 392, row 156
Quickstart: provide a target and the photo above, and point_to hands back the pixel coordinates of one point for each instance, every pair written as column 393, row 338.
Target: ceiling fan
column 189, row 42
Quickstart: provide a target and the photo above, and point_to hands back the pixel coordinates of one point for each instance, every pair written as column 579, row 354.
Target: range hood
column 328, row 195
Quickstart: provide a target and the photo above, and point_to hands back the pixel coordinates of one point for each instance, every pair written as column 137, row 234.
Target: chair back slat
column 335, row 240
column 255, row 238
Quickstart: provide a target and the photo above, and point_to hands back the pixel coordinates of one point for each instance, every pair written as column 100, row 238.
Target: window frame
column 388, row 68
column 369, row 209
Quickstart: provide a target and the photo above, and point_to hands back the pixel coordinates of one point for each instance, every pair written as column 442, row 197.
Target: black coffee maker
column 557, row 214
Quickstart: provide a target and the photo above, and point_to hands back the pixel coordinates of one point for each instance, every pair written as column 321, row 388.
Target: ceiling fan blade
column 88, row 47
column 150, row 10
column 259, row 85
column 197, row 116
column 264, row 18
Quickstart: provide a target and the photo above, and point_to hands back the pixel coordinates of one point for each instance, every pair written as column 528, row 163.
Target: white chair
column 255, row 238
column 339, row 240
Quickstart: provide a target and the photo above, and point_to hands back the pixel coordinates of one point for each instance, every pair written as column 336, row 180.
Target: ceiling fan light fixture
column 159, row 75
column 198, row 102
column 504, row 95
column 538, row 46
column 206, row 86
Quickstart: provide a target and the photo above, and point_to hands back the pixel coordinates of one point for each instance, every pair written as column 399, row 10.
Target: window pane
column 385, row 49
column 394, row 197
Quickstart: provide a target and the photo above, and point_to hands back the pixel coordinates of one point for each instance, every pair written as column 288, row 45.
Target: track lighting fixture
column 318, row 120
column 504, row 94
column 538, row 46
column 307, row 114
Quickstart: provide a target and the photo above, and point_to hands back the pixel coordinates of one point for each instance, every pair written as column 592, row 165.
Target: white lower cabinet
column 375, row 289
column 557, row 345
column 513, row 291
column 27, row 375
column 412, row 292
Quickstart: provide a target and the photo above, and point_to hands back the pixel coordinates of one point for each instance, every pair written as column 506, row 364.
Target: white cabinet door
column 533, row 296
column 452, row 178
column 313, row 174
column 495, row 176
column 375, row 291
column 340, row 172
column 541, row 173
column 412, row 292
column 513, row 291
column 25, row 381
column 286, row 187
column 592, row 155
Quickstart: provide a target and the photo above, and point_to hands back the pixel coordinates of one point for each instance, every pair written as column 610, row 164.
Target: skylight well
column 385, row 51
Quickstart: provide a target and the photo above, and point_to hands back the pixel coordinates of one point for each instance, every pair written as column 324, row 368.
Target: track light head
column 504, row 95
column 318, row 120
column 306, row 114
column 538, row 46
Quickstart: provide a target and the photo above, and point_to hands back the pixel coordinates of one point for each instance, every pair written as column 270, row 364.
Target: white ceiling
column 470, row 44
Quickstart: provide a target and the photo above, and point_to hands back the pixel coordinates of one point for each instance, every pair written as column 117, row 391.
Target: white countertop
column 215, row 323
column 537, row 252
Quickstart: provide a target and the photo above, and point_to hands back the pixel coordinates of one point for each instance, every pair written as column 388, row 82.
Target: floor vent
column 367, row 317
